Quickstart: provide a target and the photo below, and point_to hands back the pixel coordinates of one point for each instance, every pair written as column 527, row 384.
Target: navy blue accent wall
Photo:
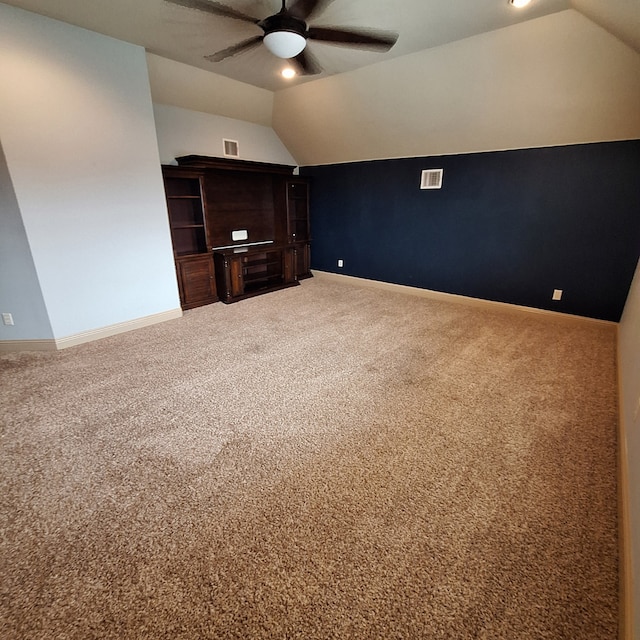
column 509, row 226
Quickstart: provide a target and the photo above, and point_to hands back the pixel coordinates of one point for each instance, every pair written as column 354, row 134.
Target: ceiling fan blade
column 217, row 8
column 304, row 9
column 245, row 45
column 306, row 63
column 368, row 38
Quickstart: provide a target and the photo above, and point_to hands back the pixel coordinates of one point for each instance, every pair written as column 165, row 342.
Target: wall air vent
column 431, row 179
column 231, row 148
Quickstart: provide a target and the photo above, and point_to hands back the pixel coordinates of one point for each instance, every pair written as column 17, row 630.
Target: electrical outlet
column 341, row 263
column 557, row 294
column 7, row 318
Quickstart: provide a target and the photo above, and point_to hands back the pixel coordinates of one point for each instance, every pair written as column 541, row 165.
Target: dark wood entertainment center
column 238, row 228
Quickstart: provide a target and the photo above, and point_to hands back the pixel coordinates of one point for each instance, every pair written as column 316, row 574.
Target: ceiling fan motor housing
column 284, row 22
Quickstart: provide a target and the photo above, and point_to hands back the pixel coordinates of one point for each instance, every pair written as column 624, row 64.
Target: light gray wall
column 629, row 368
column 184, row 132
column 78, row 133
column 556, row 80
column 20, row 293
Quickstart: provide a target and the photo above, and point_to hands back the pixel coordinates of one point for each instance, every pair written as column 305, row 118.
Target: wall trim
column 625, row 554
column 9, row 346
column 56, row 344
column 454, row 297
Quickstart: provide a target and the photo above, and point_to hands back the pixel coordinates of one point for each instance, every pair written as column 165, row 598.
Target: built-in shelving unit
column 238, row 228
column 194, row 263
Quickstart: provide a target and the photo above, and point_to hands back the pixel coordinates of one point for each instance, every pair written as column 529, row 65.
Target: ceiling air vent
column 231, row 148
column 431, row 179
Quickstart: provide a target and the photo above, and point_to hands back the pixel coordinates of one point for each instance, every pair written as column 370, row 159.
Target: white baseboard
column 452, row 297
column 9, row 346
column 625, row 581
column 55, row 344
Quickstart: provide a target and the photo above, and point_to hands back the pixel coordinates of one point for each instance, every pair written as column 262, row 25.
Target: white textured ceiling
column 187, row 35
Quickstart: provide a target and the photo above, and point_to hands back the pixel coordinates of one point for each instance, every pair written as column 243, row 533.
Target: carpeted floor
column 327, row 461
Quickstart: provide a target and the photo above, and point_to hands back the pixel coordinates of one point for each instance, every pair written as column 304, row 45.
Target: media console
column 242, row 272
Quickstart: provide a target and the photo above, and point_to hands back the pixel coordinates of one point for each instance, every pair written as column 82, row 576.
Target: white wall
column 184, row 132
column 177, row 84
column 78, row 133
column 629, row 368
column 555, row 80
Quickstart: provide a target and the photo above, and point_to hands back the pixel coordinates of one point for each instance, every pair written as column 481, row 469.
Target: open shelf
column 178, row 187
column 188, row 240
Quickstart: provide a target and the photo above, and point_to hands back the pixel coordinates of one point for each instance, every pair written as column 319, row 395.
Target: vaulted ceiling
column 188, row 35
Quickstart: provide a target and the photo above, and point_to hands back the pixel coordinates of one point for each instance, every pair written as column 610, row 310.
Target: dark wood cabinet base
column 243, row 272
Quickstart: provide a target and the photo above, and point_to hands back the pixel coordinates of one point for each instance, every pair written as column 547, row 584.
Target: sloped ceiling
column 619, row 17
column 419, row 98
column 187, row 35
column 557, row 80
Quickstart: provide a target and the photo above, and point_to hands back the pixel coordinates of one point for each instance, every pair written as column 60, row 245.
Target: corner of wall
column 629, row 461
column 20, row 289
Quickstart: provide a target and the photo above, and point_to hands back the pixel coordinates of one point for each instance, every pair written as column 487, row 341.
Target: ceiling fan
column 286, row 33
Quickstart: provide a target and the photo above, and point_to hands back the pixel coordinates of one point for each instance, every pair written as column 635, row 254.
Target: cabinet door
column 236, row 276
column 297, row 211
column 303, row 261
column 289, row 265
column 196, row 281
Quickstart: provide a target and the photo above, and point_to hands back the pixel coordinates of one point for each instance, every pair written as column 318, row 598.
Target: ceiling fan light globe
column 284, row 44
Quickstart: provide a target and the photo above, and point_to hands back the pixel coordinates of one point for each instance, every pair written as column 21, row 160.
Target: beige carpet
column 327, row 461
